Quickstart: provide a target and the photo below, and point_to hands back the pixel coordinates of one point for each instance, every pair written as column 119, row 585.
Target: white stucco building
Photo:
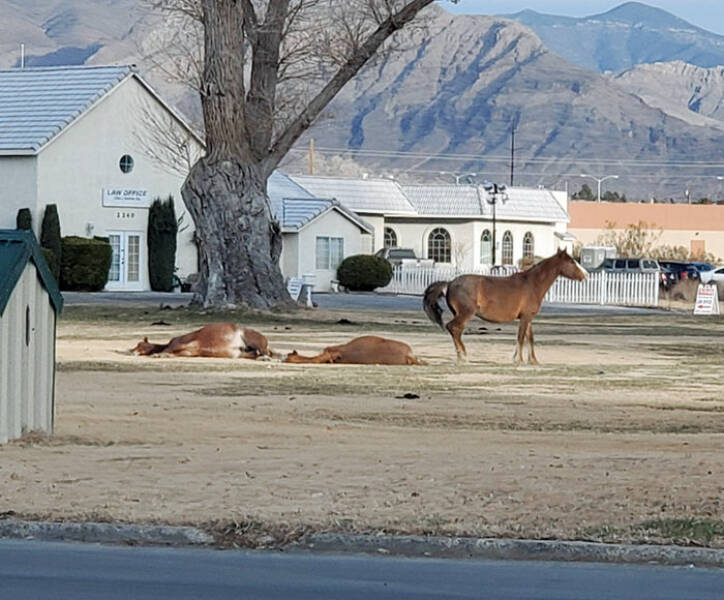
column 453, row 224
column 101, row 144
column 86, row 139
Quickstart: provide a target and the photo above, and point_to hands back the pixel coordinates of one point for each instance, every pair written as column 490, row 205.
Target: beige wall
column 18, row 189
column 467, row 235
column 332, row 224
column 83, row 160
column 372, row 243
column 682, row 224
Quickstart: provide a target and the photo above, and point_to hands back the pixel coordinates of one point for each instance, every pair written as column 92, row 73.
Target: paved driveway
column 354, row 301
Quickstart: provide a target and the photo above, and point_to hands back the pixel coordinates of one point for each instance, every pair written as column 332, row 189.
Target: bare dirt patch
column 617, row 436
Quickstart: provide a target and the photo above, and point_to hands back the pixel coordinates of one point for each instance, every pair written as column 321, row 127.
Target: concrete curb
column 409, row 546
column 104, row 533
column 443, row 547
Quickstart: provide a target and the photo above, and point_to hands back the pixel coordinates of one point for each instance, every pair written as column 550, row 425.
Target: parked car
column 629, row 265
column 713, row 275
column 403, row 256
column 667, row 277
column 680, row 269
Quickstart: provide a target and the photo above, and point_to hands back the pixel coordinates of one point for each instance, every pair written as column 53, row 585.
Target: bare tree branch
column 354, row 63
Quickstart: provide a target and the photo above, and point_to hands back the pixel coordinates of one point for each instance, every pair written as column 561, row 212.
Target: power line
column 492, row 158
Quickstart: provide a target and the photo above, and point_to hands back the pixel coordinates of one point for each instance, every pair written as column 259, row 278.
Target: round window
column 126, row 163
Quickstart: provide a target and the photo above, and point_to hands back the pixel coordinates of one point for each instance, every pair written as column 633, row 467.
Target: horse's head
column 569, row 267
column 292, row 357
column 143, row 348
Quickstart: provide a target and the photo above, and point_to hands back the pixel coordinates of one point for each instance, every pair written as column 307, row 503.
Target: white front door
column 126, row 260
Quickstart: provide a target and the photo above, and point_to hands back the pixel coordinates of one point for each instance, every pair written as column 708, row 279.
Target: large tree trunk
column 239, row 242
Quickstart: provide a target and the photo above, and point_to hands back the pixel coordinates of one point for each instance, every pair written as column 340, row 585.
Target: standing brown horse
column 499, row 299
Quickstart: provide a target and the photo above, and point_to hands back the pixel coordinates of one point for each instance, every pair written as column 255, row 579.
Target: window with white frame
column 390, row 238
column 329, row 253
column 486, row 248
column 438, row 245
column 507, row 257
column 528, row 245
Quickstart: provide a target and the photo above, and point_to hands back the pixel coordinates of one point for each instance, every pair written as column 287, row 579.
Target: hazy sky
column 708, row 14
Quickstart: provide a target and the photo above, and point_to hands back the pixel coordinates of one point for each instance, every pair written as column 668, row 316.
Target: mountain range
column 634, row 92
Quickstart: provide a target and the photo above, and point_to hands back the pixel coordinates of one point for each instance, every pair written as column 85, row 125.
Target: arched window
column 486, row 248
column 438, row 245
column 528, row 245
column 390, row 238
column 507, row 257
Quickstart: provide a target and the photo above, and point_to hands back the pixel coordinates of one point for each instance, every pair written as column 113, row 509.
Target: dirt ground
column 618, row 436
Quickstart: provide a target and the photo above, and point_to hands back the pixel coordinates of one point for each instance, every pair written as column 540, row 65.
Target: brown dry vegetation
column 618, row 436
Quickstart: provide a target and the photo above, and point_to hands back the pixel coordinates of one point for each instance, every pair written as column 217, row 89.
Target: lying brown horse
column 499, row 299
column 217, row 340
column 365, row 350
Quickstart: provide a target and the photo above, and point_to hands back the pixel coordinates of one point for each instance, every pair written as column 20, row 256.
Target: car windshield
column 402, row 253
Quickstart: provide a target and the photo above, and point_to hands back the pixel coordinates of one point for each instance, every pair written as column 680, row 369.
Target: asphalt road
column 53, row 570
column 358, row 301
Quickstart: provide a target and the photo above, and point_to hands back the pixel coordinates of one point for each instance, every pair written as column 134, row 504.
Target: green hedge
column 162, row 230
column 50, row 235
column 84, row 263
column 364, row 272
column 51, row 259
column 24, row 219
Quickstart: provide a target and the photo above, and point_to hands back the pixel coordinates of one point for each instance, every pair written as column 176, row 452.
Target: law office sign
column 126, row 197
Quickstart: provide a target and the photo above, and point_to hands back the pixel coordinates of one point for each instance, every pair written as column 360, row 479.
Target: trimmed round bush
column 84, row 263
column 364, row 272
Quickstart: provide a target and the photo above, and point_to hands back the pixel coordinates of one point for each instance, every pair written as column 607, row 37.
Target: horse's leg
column 532, row 359
column 456, row 326
column 523, row 325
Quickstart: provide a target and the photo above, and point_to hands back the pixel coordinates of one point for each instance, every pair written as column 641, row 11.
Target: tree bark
column 239, row 242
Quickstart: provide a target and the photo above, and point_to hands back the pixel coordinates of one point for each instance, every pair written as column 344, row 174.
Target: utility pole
column 311, row 156
column 512, row 152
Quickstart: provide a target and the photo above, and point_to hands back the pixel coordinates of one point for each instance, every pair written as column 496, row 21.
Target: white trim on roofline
column 365, row 227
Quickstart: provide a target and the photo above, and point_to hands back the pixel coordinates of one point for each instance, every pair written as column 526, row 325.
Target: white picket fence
column 628, row 289
column 414, row 280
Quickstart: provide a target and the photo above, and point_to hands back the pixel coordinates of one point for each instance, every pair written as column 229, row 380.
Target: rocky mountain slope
column 692, row 93
column 630, row 34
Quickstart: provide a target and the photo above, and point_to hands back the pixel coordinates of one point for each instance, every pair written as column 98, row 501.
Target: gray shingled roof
column 294, row 207
column 378, row 196
column 297, row 212
column 37, row 103
column 522, row 204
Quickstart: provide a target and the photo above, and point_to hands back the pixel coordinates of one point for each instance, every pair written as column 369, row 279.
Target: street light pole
column 494, row 191
column 599, row 180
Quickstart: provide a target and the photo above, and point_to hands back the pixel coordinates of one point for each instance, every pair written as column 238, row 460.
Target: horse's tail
column 431, row 301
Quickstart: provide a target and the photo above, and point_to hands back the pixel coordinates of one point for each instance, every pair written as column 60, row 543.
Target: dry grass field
column 617, row 436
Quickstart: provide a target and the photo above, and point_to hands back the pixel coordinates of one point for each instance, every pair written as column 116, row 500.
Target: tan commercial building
column 697, row 227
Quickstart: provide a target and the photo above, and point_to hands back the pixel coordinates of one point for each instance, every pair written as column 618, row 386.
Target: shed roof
column 378, row 196
column 17, row 247
column 451, row 200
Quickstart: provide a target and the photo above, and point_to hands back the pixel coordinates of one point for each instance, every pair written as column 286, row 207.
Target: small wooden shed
column 29, row 302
